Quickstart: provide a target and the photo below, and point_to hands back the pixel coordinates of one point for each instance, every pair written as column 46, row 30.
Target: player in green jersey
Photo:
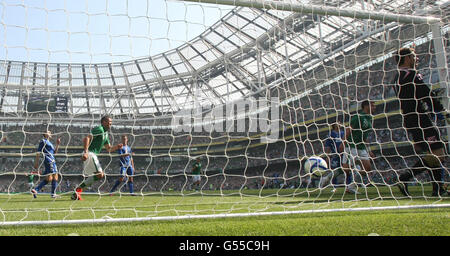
column 92, row 145
column 355, row 144
column 30, row 176
column 196, row 172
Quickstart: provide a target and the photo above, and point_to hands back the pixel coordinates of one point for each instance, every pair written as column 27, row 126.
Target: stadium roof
column 241, row 55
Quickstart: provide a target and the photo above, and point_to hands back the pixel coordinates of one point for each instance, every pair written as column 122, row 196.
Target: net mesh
column 250, row 95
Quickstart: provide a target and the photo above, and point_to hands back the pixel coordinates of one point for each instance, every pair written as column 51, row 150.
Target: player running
column 126, row 166
column 47, row 148
column 92, row 145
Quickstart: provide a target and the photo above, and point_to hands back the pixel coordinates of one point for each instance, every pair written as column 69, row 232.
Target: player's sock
column 348, row 178
column 54, row 183
column 130, row 186
column 334, row 181
column 41, row 185
column 444, row 172
column 402, row 185
column 436, row 180
column 77, row 194
column 115, row 186
column 435, row 172
column 82, row 185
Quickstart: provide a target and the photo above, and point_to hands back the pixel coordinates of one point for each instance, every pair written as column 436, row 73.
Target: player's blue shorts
column 50, row 168
column 335, row 162
column 128, row 170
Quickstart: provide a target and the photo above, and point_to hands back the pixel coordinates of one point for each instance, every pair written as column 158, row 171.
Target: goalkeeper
column 417, row 103
column 92, row 145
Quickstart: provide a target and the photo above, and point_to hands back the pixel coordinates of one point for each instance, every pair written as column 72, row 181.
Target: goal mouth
column 221, row 121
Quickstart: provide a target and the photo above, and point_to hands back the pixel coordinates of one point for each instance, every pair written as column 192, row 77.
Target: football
column 316, row 165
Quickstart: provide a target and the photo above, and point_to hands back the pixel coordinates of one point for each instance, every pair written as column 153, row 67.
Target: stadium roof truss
column 241, row 55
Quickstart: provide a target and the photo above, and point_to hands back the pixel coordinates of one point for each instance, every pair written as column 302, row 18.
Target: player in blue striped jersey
column 332, row 149
column 48, row 150
column 126, row 166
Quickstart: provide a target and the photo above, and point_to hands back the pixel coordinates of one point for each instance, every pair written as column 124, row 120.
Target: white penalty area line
column 215, row 216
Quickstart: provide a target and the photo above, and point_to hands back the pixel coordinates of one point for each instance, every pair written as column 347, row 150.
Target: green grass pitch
column 420, row 222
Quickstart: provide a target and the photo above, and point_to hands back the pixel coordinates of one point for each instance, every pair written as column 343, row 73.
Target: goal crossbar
column 323, row 10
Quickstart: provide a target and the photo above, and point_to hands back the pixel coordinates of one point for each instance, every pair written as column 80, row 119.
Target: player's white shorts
column 196, row 178
column 352, row 155
column 92, row 165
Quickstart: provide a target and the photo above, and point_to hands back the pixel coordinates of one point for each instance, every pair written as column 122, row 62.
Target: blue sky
column 99, row 31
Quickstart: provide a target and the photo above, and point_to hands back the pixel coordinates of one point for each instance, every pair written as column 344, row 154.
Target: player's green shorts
column 92, row 165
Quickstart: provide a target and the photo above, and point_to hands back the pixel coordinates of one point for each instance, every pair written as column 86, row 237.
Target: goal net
column 222, row 103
